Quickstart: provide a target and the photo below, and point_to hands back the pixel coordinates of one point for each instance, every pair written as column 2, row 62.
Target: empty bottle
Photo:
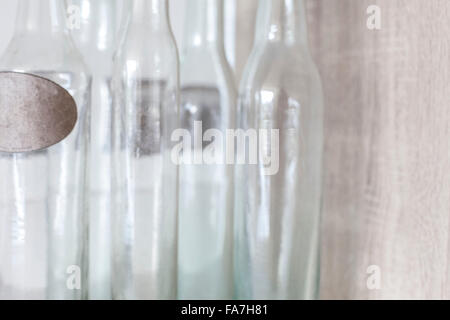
column 145, row 179
column 43, row 209
column 95, row 27
column 208, row 100
column 278, row 200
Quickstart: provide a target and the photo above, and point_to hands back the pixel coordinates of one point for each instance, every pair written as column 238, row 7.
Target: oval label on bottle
column 35, row 113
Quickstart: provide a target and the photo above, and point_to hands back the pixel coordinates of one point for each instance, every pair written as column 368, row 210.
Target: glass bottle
column 96, row 33
column 145, row 179
column 43, row 211
column 278, row 200
column 208, row 99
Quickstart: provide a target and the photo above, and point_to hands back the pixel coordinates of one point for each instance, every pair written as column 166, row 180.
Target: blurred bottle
column 43, row 209
column 96, row 32
column 278, row 202
column 208, row 97
column 145, row 179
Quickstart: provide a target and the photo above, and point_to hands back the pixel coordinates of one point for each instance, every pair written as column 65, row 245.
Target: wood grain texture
column 387, row 166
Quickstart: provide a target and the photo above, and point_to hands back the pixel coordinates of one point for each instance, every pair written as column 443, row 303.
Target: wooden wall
column 387, row 167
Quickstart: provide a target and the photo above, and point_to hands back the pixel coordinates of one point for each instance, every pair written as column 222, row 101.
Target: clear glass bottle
column 42, row 194
column 96, row 33
column 145, row 179
column 208, row 97
column 278, row 210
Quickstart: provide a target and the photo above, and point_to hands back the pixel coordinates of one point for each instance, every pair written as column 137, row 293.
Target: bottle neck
column 152, row 13
column 40, row 17
column 282, row 21
column 204, row 24
column 100, row 25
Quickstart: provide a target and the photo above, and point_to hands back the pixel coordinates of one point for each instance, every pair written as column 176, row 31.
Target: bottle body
column 278, row 212
column 96, row 36
column 208, row 98
column 43, row 208
column 145, row 179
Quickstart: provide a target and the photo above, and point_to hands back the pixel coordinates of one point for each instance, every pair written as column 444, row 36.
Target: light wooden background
column 387, row 168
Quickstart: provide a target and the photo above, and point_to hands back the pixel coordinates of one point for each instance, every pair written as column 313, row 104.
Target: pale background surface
column 387, row 170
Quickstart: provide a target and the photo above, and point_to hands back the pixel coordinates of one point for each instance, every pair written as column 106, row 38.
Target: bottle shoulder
column 281, row 81
column 30, row 53
column 151, row 51
column 206, row 67
column 154, row 41
column 288, row 69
